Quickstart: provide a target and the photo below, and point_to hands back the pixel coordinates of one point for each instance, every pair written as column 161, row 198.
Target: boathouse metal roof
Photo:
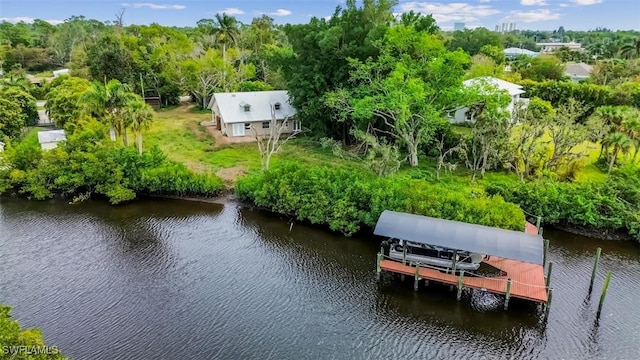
column 457, row 235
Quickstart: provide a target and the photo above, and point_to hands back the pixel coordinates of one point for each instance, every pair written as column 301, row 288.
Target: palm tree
column 140, row 115
column 106, row 102
column 226, row 31
column 630, row 51
column 631, row 127
column 620, row 143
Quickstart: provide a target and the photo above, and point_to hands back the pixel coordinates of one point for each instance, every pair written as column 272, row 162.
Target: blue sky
column 528, row 14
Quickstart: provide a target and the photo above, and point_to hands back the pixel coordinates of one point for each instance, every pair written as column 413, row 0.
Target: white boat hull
column 432, row 261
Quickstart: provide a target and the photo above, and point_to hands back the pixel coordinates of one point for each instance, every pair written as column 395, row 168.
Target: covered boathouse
column 519, row 256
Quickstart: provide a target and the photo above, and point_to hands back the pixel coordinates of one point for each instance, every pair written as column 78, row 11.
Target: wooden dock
column 527, row 279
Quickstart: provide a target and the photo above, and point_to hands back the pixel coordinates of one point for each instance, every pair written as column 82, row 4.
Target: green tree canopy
column 472, row 41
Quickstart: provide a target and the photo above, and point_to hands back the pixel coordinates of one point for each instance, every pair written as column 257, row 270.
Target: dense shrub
column 89, row 164
column 16, row 341
column 559, row 92
column 346, row 199
column 611, row 205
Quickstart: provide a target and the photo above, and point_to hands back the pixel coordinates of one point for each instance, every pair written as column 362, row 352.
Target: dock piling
column 416, row 281
column 460, row 282
column 595, row 269
column 604, row 292
column 404, row 255
column 547, row 306
column 508, row 294
column 378, row 269
column 544, row 254
column 453, row 265
column 548, row 277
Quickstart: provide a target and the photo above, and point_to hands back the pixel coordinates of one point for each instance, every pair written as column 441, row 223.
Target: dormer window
column 246, row 107
column 277, row 106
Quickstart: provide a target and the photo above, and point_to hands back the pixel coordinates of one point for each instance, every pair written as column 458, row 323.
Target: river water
column 169, row 279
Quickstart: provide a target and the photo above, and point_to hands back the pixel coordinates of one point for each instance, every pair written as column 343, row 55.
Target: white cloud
column 586, row 2
column 564, row 5
column 532, row 16
column 533, row 2
column 281, row 12
column 231, row 11
column 154, row 6
column 485, row 1
column 450, row 12
column 28, row 20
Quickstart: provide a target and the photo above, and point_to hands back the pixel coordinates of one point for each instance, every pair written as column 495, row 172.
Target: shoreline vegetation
column 373, row 93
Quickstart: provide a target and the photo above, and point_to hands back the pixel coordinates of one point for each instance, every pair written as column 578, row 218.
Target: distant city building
column 459, row 26
column 550, row 47
column 506, row 27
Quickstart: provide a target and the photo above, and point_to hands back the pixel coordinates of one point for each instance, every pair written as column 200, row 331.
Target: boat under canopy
column 515, row 245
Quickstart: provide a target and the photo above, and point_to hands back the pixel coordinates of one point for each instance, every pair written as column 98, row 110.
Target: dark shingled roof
column 515, row 245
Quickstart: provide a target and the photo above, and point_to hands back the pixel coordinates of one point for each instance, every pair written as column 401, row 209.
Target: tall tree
column 63, row 101
column 472, row 41
column 631, row 50
column 317, row 61
column 107, row 102
column 109, row 59
column 140, row 115
column 407, row 90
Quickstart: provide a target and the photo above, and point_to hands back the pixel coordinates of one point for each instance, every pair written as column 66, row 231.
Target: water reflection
column 188, row 280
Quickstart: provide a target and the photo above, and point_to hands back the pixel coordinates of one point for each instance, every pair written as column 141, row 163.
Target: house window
column 277, row 106
column 247, row 108
column 469, row 115
column 247, row 126
column 296, row 126
column 265, row 124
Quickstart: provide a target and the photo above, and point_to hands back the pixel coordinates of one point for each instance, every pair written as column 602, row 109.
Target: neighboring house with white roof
column 49, row 139
column 578, row 71
column 512, row 53
column 245, row 113
column 464, row 115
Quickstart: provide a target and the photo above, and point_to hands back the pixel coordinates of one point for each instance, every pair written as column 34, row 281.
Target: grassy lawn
column 177, row 131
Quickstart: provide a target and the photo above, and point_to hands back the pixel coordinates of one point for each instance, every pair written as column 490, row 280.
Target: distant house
column 57, row 73
column 512, row 53
column 549, row 47
column 245, row 113
column 465, row 115
column 49, row 139
column 578, row 71
column 1, row 146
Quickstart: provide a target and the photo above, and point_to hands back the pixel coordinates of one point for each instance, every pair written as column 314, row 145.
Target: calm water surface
column 186, row 280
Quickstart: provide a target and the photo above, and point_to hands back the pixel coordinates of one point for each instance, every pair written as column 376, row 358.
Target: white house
column 462, row 115
column 549, row 47
column 578, row 71
column 244, row 113
column 49, row 139
column 57, row 73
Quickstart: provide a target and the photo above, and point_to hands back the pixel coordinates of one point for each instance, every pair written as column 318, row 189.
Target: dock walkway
column 527, row 279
